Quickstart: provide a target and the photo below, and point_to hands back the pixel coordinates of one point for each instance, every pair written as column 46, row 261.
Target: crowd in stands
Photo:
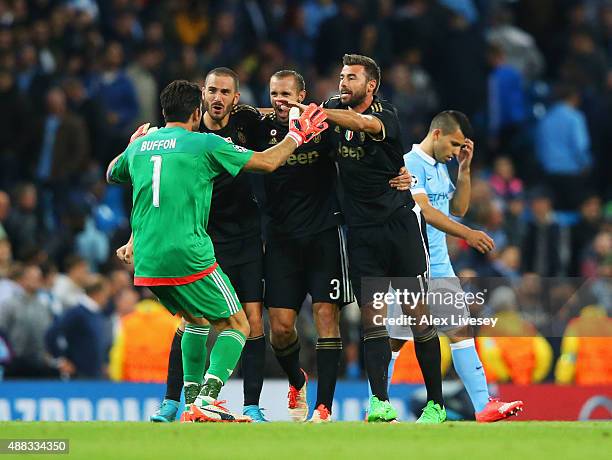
column 77, row 77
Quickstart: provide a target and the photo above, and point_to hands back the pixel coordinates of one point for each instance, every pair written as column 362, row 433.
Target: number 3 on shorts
column 335, row 284
column 157, row 164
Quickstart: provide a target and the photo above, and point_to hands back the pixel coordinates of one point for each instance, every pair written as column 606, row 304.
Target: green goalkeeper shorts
column 211, row 297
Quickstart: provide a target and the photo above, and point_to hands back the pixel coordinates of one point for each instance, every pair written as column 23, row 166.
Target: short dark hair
column 95, row 284
column 448, row 122
column 72, row 260
column 299, row 80
column 227, row 72
column 179, row 100
column 372, row 69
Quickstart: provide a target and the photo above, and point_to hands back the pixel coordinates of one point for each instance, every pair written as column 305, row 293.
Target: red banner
column 556, row 402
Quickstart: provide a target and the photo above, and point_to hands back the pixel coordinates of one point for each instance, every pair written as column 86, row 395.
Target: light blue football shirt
column 431, row 178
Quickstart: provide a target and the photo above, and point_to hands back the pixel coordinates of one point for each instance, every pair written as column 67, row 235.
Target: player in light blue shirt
column 433, row 190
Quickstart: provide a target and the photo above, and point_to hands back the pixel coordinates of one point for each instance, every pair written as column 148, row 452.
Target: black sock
column 289, row 359
column 253, row 364
column 377, row 355
column 427, row 350
column 174, row 381
column 329, row 351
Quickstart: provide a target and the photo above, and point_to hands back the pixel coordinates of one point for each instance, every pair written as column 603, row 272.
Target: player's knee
column 254, row 315
column 327, row 320
column 240, row 323
column 256, row 325
column 282, row 332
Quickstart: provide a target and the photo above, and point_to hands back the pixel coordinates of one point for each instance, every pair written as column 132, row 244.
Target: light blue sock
column 469, row 368
column 394, row 355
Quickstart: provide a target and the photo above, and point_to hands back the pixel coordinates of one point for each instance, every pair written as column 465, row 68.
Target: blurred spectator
column 90, row 111
column 563, row 149
column 68, row 288
column 92, row 244
column 127, row 29
column 147, row 92
column 123, row 303
column 118, row 96
column 24, row 319
column 189, row 66
column 544, row 240
column 504, row 181
column 584, row 232
column 586, row 349
column 597, row 261
column 508, row 264
column 317, row 11
column 23, row 225
column 415, row 99
column 60, row 151
column 515, row 225
column 512, row 351
column 191, row 22
column 141, row 348
column 507, row 102
column 519, row 47
column 585, row 64
column 463, row 88
column 31, row 80
column 78, row 338
column 8, row 284
column 337, row 35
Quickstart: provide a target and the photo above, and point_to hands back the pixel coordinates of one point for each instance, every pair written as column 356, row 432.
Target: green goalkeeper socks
column 193, row 345
column 225, row 354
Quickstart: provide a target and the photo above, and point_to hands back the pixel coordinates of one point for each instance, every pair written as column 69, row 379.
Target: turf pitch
column 342, row 440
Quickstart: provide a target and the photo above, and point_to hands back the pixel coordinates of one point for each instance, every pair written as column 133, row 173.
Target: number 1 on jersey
column 157, row 163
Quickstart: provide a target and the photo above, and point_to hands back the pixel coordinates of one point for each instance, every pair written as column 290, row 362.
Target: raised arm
column 460, row 202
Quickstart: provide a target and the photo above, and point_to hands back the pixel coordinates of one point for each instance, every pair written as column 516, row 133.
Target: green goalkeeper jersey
column 172, row 172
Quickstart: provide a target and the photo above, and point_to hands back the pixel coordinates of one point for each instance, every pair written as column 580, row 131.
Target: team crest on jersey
column 348, row 135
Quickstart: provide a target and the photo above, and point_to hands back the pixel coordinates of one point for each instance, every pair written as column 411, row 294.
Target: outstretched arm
column 348, row 119
column 301, row 129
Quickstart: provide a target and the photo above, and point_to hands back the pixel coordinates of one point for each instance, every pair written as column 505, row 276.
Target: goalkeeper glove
column 142, row 131
column 311, row 123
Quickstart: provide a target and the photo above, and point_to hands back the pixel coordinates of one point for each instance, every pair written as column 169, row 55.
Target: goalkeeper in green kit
column 171, row 171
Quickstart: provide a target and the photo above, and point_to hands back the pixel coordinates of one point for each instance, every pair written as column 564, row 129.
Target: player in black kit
column 386, row 231
column 234, row 227
column 305, row 252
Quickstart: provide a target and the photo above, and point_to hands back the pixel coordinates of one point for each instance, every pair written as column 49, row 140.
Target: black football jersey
column 366, row 164
column 300, row 196
column 234, row 213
